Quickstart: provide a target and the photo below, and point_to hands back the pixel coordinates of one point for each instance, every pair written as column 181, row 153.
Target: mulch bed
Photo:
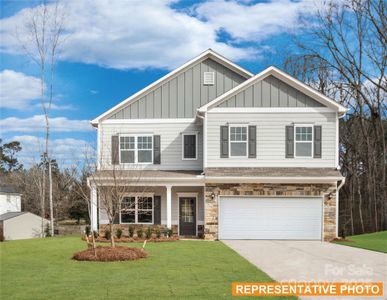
column 119, row 253
column 137, row 240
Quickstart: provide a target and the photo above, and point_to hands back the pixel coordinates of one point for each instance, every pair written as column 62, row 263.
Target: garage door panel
column 270, row 218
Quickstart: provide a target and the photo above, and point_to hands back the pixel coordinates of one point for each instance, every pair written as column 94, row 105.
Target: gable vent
column 209, row 78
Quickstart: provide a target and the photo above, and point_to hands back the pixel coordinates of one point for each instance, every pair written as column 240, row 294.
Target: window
column 127, row 149
column 137, row 209
column 209, row 78
column 144, row 145
column 189, row 146
column 136, row 149
column 304, row 141
column 128, row 210
column 238, row 141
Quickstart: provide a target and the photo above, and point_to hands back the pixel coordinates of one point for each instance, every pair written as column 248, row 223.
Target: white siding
column 9, row 203
column 171, row 144
column 271, row 139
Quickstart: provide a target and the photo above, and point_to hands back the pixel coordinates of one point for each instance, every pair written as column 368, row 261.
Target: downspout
column 342, row 181
column 337, row 204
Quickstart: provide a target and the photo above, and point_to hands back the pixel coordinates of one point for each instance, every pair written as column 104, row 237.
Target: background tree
column 344, row 56
column 40, row 37
column 8, row 160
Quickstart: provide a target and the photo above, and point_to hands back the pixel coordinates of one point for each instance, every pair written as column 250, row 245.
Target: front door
column 187, row 213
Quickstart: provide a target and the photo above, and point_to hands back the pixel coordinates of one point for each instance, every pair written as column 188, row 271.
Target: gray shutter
column 289, row 141
column 317, row 142
column 115, row 150
column 224, row 141
column 189, row 146
column 157, row 210
column 252, row 141
column 156, row 150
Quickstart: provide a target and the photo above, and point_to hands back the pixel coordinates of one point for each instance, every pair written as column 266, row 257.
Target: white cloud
column 255, row 22
column 55, row 106
column 67, row 151
column 120, row 34
column 37, row 124
column 18, row 90
column 141, row 34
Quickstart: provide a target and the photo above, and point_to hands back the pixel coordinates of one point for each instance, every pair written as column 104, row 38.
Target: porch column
column 93, row 208
column 169, row 206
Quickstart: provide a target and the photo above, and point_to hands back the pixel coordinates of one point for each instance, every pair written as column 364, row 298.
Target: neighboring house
column 10, row 199
column 21, row 225
column 15, row 224
column 213, row 150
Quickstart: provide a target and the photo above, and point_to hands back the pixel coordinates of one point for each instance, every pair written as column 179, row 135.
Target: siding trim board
column 274, row 110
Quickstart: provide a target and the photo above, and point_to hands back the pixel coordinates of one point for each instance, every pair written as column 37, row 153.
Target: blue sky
column 113, row 49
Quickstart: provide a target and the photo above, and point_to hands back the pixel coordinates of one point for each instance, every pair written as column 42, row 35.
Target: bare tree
column 344, row 55
column 40, row 37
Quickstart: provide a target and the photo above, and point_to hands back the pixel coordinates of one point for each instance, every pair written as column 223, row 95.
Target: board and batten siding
column 271, row 139
column 171, row 145
column 183, row 94
column 270, row 92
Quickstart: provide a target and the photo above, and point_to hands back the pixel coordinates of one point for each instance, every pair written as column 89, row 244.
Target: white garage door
column 270, row 218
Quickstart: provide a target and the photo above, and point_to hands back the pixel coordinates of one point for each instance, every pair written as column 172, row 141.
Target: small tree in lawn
column 110, row 199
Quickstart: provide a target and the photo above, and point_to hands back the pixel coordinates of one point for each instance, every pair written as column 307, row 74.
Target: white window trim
column 229, row 140
column 196, row 145
column 303, row 142
column 135, row 148
column 136, row 196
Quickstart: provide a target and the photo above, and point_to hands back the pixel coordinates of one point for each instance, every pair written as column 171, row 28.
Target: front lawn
column 376, row 241
column 43, row 269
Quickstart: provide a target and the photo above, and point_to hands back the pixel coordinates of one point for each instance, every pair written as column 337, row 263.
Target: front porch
column 157, row 199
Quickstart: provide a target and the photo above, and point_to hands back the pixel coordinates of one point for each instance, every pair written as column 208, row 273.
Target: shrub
column 131, row 231
column 108, row 235
column 148, row 233
column 47, row 231
column 158, row 233
column 1, row 235
column 169, row 232
column 343, row 233
column 87, row 230
column 118, row 233
column 140, row 233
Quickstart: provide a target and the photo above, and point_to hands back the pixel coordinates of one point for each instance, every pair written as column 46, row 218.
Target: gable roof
column 206, row 54
column 10, row 215
column 302, row 87
column 8, row 190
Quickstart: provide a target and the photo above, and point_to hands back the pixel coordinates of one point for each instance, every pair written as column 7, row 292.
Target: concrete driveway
column 313, row 261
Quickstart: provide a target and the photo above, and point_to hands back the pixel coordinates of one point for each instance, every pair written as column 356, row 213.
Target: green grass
column 43, row 269
column 376, row 241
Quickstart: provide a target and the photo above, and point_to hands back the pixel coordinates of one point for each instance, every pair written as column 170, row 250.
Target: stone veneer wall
column 211, row 205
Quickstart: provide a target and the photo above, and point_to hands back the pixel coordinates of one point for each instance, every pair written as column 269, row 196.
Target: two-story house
column 213, row 150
